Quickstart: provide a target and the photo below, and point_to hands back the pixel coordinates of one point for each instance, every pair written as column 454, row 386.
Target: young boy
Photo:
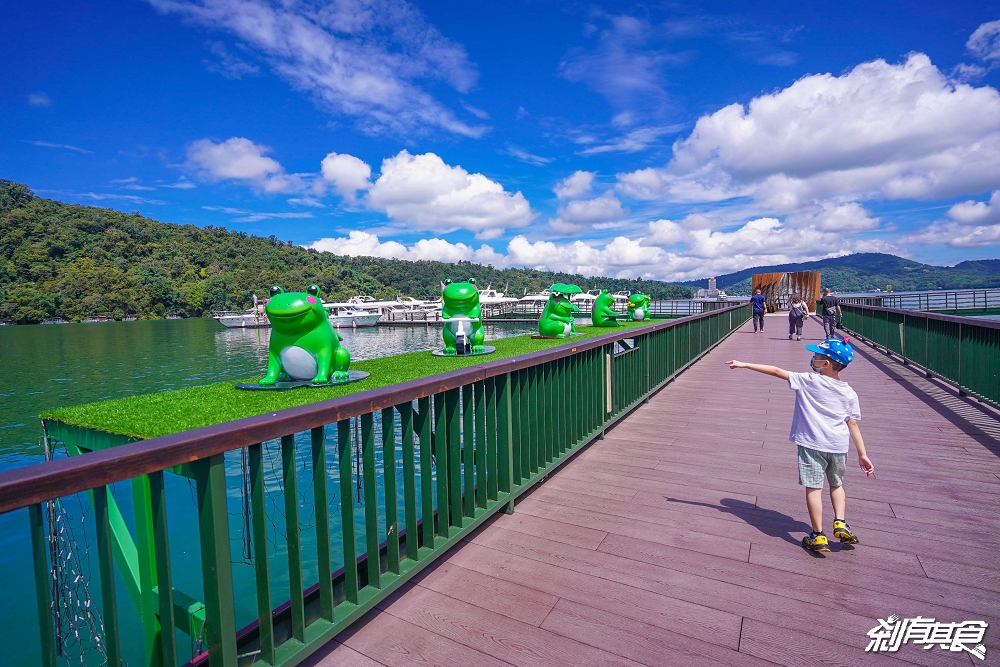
column 824, row 423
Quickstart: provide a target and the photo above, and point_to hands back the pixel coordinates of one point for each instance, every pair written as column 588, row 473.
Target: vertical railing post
column 161, row 545
column 505, row 449
column 492, row 455
column 423, row 425
column 389, row 479
column 409, row 481
column 347, row 511
column 39, row 553
column 479, row 409
column 442, row 465
column 321, row 499
column 261, row 560
column 216, row 563
column 468, row 453
column 961, row 389
column 146, row 566
column 454, row 440
column 105, row 560
column 373, row 564
column 295, row 587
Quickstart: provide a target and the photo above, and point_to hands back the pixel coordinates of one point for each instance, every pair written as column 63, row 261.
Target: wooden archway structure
column 778, row 287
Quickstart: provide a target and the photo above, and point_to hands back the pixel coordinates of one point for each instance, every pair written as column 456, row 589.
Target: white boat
column 245, row 320
column 585, row 298
column 491, row 297
column 621, row 299
column 372, row 304
column 410, row 302
column 349, row 316
column 535, row 297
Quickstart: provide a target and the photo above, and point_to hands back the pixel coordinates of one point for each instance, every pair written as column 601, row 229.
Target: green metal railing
column 955, row 302
column 471, row 441
column 962, row 350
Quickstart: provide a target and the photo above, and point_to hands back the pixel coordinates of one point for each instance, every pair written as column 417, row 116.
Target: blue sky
column 666, row 140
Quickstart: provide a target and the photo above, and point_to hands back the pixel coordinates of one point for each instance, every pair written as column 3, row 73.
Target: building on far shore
column 710, row 293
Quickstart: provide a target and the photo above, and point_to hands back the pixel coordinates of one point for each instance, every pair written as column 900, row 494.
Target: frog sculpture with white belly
column 303, row 346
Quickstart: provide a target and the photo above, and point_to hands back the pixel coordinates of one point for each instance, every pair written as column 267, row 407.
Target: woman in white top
column 798, row 309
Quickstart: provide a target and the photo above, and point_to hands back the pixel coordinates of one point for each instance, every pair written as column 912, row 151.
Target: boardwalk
column 675, row 541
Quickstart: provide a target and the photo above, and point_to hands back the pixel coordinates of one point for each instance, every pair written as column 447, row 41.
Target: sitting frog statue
column 557, row 316
column 303, row 344
column 638, row 307
column 604, row 315
column 462, row 315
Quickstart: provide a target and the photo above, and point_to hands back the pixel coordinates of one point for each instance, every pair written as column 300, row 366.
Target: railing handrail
column 954, row 319
column 37, row 483
column 889, row 295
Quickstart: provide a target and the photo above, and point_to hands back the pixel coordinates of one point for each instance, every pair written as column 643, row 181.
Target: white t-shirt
column 822, row 407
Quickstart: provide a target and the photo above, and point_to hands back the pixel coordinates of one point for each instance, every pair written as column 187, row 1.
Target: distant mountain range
column 872, row 270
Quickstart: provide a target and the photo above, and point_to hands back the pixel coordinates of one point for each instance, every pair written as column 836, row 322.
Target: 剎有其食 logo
column 893, row 632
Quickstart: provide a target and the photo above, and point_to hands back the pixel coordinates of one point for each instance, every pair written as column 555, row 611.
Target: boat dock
column 675, row 540
column 624, row 499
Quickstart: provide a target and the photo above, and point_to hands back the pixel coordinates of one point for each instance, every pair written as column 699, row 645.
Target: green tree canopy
column 70, row 261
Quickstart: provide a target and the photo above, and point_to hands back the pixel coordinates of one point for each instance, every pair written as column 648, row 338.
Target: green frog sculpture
column 304, row 349
column 604, row 314
column 557, row 316
column 638, row 307
column 463, row 320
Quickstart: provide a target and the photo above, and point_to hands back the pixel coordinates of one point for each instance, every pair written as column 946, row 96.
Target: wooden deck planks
column 674, row 541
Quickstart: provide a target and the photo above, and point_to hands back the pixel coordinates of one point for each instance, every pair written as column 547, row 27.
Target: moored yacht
column 248, row 319
column 349, row 316
column 490, row 297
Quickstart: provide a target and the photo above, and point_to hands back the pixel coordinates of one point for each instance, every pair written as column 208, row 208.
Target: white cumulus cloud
column 984, row 43
column 575, row 185
column 364, row 244
column 577, row 215
column 880, row 130
column 425, row 191
column 346, row 173
column 240, row 159
column 977, row 212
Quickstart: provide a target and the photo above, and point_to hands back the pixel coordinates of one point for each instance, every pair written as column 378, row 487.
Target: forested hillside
column 69, row 261
column 869, row 271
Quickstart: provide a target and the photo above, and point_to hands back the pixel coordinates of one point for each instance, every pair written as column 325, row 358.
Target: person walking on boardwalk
column 797, row 311
column 823, row 424
column 757, row 301
column 829, row 309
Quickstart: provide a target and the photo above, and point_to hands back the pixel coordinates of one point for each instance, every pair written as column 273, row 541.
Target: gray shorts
column 813, row 464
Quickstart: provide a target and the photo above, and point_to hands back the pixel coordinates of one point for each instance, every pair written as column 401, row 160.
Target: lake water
column 48, row 366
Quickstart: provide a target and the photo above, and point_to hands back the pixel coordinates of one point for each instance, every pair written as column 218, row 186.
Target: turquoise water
column 60, row 365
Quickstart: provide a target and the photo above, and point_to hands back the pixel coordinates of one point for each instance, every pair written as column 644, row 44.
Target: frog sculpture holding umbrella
column 557, row 316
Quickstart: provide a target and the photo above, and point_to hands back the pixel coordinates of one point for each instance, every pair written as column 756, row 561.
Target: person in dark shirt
column 757, row 301
column 829, row 310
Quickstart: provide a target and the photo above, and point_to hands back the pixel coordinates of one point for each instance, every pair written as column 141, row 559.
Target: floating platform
column 117, row 421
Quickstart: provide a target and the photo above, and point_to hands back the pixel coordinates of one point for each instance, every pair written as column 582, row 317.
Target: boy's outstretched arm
column 863, row 460
column 760, row 368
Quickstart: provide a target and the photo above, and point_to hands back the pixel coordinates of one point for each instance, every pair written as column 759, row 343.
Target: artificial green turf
column 167, row 412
